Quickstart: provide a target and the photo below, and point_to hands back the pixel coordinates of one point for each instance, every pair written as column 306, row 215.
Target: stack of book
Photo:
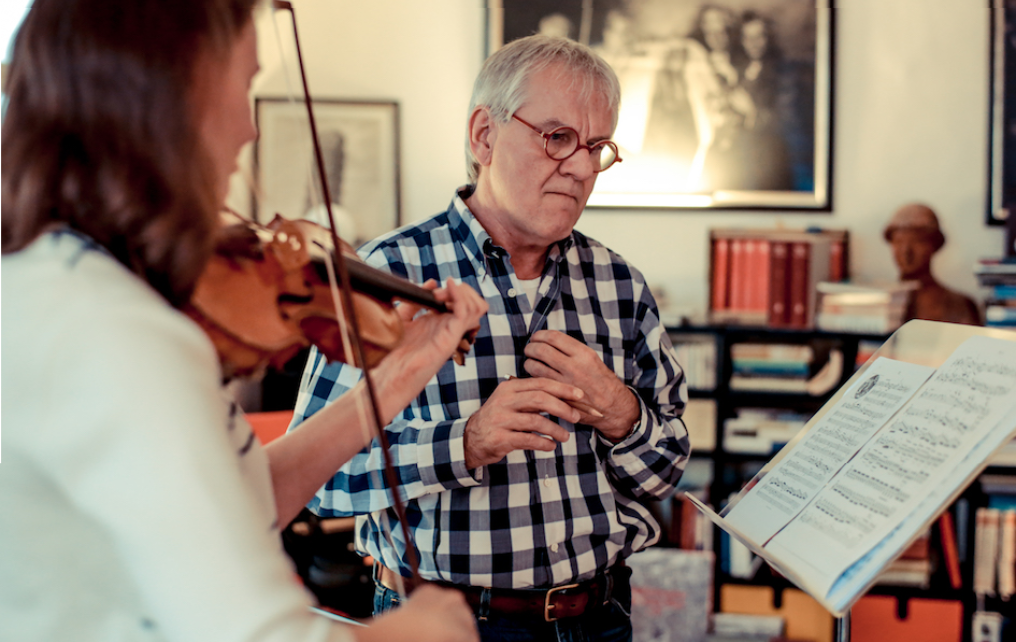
column 866, row 309
column 768, row 277
column 770, row 366
column 746, row 627
column 698, row 359
column 999, row 276
column 913, row 568
column 789, row 368
column 761, row 431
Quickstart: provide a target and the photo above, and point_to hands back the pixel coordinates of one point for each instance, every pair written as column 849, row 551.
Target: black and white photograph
column 359, row 143
column 723, row 104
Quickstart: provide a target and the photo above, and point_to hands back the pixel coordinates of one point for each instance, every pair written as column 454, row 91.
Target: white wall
column 911, row 123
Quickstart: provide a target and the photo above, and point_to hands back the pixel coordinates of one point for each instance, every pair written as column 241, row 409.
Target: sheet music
column 913, row 454
column 827, row 446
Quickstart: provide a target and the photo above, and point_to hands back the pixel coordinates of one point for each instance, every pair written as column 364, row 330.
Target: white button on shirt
column 512, row 292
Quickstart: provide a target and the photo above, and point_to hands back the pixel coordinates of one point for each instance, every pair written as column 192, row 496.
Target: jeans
column 609, row 623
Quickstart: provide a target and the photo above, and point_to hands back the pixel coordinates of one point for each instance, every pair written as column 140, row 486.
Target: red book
column 800, row 256
column 778, row 284
column 836, row 271
column 738, row 286
column 947, row 533
column 760, row 275
column 721, row 273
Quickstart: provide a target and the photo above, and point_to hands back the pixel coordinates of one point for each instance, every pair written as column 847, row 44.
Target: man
column 527, row 471
column 914, row 236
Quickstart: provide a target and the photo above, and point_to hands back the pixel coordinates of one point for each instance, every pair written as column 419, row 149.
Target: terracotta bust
column 914, row 235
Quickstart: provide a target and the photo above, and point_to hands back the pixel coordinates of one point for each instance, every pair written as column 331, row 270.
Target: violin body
column 265, row 295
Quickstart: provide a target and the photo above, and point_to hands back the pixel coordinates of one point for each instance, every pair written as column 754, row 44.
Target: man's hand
column 510, row 419
column 554, row 355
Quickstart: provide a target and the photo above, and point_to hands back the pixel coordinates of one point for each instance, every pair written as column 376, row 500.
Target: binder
column 805, row 618
column 876, row 618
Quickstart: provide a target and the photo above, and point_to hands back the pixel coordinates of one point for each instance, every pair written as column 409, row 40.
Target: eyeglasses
column 562, row 143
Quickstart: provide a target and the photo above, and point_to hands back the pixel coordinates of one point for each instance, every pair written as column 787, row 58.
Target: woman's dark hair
column 101, row 132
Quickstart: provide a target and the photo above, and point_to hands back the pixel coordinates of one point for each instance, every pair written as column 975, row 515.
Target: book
column 879, row 462
column 950, row 550
column 752, row 274
column 870, row 308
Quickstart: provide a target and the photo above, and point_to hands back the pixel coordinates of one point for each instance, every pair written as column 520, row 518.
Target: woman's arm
column 304, row 459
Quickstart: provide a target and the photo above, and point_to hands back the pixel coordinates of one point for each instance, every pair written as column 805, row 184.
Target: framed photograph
column 360, row 146
column 1002, row 137
column 725, row 104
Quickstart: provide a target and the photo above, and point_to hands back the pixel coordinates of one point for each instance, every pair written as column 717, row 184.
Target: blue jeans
column 610, row 623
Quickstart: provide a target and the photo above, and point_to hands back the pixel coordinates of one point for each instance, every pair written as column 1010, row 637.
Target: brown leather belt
column 571, row 600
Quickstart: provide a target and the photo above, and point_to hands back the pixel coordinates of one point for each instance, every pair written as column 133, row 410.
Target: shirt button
column 512, row 292
column 553, row 548
column 546, row 482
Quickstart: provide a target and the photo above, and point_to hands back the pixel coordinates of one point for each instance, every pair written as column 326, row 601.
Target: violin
column 266, row 294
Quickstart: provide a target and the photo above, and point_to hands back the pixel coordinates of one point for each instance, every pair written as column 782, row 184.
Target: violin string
column 370, row 427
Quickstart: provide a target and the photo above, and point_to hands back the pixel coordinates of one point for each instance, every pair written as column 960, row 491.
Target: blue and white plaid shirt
column 533, row 519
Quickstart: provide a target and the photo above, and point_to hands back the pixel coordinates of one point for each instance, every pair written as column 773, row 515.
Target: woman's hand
column 431, row 614
column 430, row 340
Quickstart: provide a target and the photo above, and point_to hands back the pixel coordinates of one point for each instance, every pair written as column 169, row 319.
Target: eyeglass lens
column 563, row 141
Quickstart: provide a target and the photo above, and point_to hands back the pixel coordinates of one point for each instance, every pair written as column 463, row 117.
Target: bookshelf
column 720, row 466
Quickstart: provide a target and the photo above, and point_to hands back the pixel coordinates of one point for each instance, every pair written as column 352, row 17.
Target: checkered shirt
column 533, row 519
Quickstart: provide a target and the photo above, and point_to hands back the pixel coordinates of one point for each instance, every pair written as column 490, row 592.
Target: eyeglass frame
column 578, row 144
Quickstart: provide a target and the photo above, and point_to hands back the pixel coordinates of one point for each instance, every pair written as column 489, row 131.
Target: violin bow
column 347, row 305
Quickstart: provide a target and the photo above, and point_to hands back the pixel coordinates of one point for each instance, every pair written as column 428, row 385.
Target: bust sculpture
column 915, row 236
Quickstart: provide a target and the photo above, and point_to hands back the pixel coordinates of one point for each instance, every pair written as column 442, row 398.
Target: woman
column 136, row 503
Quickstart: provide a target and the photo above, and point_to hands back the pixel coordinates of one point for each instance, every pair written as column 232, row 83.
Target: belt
column 555, row 603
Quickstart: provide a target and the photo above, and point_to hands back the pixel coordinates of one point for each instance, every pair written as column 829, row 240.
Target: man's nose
column 579, row 165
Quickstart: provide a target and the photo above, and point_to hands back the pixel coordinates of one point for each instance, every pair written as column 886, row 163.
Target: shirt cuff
column 442, row 457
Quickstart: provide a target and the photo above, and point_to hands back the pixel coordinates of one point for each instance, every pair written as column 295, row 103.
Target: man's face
column 912, row 250
column 537, row 199
column 753, row 39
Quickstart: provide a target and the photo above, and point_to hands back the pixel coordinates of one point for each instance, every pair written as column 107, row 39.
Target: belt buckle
column 547, row 606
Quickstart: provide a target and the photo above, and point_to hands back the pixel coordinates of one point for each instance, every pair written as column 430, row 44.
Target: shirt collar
column 470, row 233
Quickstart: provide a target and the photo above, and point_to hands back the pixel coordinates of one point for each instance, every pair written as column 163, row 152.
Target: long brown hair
column 101, row 135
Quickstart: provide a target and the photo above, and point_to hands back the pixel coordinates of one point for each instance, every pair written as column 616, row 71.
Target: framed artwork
column 725, row 104
column 360, row 146
column 1002, row 137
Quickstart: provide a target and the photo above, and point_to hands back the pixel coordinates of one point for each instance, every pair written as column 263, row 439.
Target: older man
column 527, row 470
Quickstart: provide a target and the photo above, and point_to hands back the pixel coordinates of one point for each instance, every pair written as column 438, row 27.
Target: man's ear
column 482, row 134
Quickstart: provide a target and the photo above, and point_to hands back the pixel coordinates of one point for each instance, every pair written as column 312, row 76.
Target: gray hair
column 503, row 81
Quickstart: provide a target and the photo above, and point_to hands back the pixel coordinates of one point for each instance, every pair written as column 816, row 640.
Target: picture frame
column 725, row 104
column 360, row 147
column 1002, row 114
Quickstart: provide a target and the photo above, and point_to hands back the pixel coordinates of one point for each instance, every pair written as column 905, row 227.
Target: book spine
column 1007, row 555
column 760, row 274
column 721, row 273
column 947, row 533
column 798, row 298
column 778, row 256
column 738, row 286
column 985, row 550
column 837, row 257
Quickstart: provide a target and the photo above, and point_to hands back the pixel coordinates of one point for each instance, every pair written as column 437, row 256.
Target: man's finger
column 559, row 340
